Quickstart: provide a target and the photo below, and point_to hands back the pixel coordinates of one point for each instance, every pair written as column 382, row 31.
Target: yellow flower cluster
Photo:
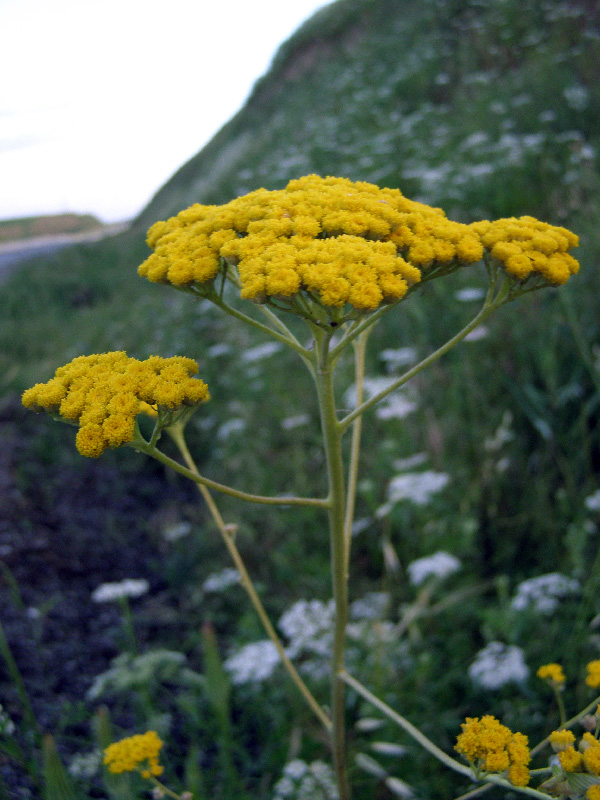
column 341, row 242
column 526, row 246
column 104, row 393
column 493, row 747
column 335, row 240
column 553, row 673
column 585, row 759
column 129, row 754
column 561, row 740
column 593, row 793
column 593, row 674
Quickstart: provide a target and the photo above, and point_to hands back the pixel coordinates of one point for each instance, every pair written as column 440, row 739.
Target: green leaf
column 57, row 784
column 117, row 786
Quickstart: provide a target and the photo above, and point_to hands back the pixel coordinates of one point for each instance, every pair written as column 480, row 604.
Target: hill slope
column 481, row 106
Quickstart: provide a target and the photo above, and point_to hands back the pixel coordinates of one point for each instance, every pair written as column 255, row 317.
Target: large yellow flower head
column 492, row 747
column 104, row 393
column 135, row 753
column 347, row 247
column 329, row 240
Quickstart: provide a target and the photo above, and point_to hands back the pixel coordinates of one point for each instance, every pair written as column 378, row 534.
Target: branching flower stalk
column 339, row 256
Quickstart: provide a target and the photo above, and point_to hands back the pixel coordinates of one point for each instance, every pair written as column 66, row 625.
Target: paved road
column 13, row 253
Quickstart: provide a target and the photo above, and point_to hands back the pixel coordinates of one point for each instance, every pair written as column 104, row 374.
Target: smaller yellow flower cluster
column 493, row 747
column 593, row 674
column 526, row 246
column 553, row 673
column 585, row 759
column 104, row 393
column 135, row 753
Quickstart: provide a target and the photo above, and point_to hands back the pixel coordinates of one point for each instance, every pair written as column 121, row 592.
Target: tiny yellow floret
column 137, row 753
column 593, row 674
column 105, row 392
column 570, row 759
column 561, row 740
column 553, row 673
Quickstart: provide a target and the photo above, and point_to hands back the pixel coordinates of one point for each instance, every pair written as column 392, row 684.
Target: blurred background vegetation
column 486, row 108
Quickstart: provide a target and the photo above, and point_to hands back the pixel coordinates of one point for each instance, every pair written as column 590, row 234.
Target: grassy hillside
column 49, row 225
column 486, row 108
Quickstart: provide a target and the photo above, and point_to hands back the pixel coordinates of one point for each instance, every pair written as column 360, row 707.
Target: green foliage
column 484, row 108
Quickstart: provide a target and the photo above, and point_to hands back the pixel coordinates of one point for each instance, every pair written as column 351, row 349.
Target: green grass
column 484, row 109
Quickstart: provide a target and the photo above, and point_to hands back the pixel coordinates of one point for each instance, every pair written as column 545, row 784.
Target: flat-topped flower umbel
column 340, row 244
column 105, row 392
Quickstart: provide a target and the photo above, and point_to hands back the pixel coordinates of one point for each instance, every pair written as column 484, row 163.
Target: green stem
column 429, row 745
column 128, row 625
column 287, row 339
column 568, row 724
column 144, row 447
column 485, row 312
column 360, row 345
column 335, row 475
column 227, row 533
column 561, row 705
column 164, row 789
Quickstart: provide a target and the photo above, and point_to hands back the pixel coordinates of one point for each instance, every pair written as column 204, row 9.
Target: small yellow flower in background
column 493, row 747
column 593, row 676
column 593, row 793
column 553, row 673
column 561, row 740
column 105, row 392
column 137, row 753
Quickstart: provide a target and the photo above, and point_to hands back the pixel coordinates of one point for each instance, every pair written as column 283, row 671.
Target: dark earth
column 67, row 525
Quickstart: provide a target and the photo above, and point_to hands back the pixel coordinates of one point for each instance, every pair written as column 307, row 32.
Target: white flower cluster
column 85, row 765
column 252, row 663
column 219, row 581
column 544, row 593
column 373, row 605
column 302, row 781
column 130, row 587
column 418, row 487
column 592, row 503
column 128, row 673
column 7, row 726
column 308, row 625
column 438, row 565
column 498, row 664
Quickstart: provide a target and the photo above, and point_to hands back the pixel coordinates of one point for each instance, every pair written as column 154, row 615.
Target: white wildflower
column 544, row 593
column 85, row 765
column 221, row 580
column 302, row 781
column 371, row 387
column 416, row 460
column 400, row 357
column 220, row 349
column 360, row 525
column 295, row 422
column 439, row 565
column 178, row 530
column 234, row 425
column 253, row 663
column 469, row 294
column 416, row 486
column 497, row 665
column 396, row 406
column 502, row 435
column 577, row 96
column 373, row 605
column 308, row 625
column 130, row 587
column 7, row 726
column 478, row 333
column 261, row 351
column 592, row 503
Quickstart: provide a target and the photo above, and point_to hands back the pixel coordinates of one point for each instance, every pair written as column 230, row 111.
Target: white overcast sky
column 102, row 100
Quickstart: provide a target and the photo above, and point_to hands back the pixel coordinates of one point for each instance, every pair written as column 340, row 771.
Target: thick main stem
column 335, row 473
